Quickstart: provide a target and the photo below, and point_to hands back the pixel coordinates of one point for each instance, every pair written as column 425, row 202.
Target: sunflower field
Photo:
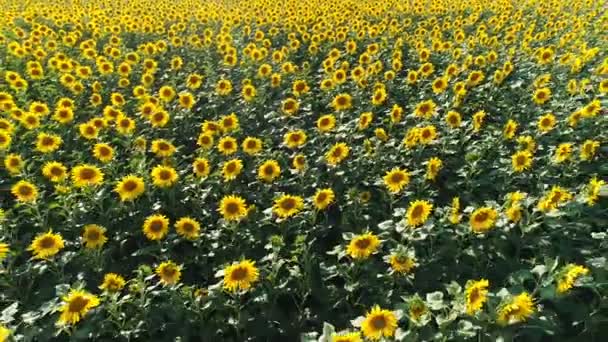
column 303, row 170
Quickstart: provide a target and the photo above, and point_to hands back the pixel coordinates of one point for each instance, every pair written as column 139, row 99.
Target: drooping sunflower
column 476, row 294
column 130, row 187
column 46, row 245
column 156, row 227
column 231, row 169
column 418, row 212
column 93, row 236
column 25, row 191
column 323, row 198
column 54, row 171
column 521, row 160
column 240, row 276
column 593, row 190
column 516, row 309
column 417, row 310
column 568, row 276
column 188, row 228
column 233, row 208
column 510, row 129
column 86, row 175
column 76, row 304
column 337, row 153
column 287, row 205
column 112, row 282
column 483, row 219
column 169, row 273
column 4, row 250
column 5, row 140
column 589, row 149
column 362, row 246
column 396, row 179
column 269, row 170
column 379, row 323
column 433, row 166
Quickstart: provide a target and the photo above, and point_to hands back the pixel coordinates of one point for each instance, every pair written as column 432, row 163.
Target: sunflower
column 4, row 250
column 186, row 100
column 365, row 120
column 25, row 191
column 323, row 198
column 287, row 205
column 76, row 304
column 54, row 171
column 546, row 123
column 541, row 95
column 380, row 133
column 93, row 236
column 337, row 153
column 229, row 123
column 418, row 212
column 476, row 294
column 521, row 160
column 188, row 228
column 527, row 143
column 160, row 118
column 346, row 337
column 112, row 282
column 166, row 93
column 290, row 106
column 5, row 140
column 46, row 245
column 164, row 176
column 379, row 323
column 201, row 167
column 591, row 109
column 252, row 146
column 299, row 162
column 483, row 219
column 432, row 168
column 86, row 175
column 269, row 171
column 326, row 123
column 205, row 140
column 240, row 276
column 156, row 227
column 379, row 96
column 412, row 137
column 396, row 179
column 556, row 196
column 194, row 81
column 427, row 134
column 233, row 208
column 169, row 273
column 593, row 190
column 425, row 109
column 103, row 152
column 417, row 310
column 47, row 143
column 589, row 149
column 440, row 84
column 227, row 146
column 130, row 187
column 362, row 246
column 231, row 169
column 402, row 263
column 516, row 309
column 396, row 113
column 88, row 131
column 223, row 87
column 568, row 276
column 295, row 139
column 510, row 129
column 563, row 152
column 342, row 102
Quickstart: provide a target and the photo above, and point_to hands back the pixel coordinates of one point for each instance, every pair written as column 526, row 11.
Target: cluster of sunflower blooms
column 425, row 140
